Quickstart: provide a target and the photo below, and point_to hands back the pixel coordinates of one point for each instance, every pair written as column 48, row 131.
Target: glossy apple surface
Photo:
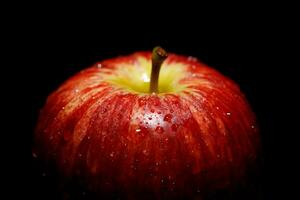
column 102, row 126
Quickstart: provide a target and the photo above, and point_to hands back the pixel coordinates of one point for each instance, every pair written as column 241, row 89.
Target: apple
column 149, row 125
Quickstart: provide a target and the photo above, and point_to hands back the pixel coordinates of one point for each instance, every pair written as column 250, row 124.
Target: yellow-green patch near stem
column 136, row 77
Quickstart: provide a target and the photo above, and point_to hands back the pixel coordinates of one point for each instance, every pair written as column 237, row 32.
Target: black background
column 246, row 45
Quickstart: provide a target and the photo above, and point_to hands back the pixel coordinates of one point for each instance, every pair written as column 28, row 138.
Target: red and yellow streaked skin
column 199, row 134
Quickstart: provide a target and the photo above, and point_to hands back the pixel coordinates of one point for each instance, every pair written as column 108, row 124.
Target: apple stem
column 158, row 57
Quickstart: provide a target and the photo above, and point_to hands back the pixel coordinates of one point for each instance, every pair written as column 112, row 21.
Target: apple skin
column 156, row 146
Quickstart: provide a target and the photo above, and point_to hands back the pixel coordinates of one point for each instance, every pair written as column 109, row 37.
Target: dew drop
column 141, row 102
column 34, row 155
column 80, row 155
column 252, row 126
column 63, row 108
column 191, row 58
column 174, row 127
column 138, row 130
column 112, row 154
column 217, row 108
column 168, row 118
column 103, row 110
column 228, row 113
column 145, row 152
column 99, row 65
column 159, row 129
column 76, row 90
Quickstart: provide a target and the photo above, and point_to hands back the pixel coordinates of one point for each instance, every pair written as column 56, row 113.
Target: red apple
column 182, row 135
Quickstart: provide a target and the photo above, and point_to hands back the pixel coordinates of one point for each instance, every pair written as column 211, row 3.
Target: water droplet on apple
column 103, row 110
column 133, row 167
column 63, row 108
column 145, row 152
column 162, row 180
column 51, row 137
column 228, row 113
column 88, row 137
column 156, row 163
column 138, row 130
column 191, row 58
column 217, row 108
column 174, row 127
column 99, row 65
column 194, row 75
column 141, row 102
column 112, row 154
column 168, row 118
column 159, row 129
column 34, row 155
column 93, row 97
column 79, row 155
column 252, row 126
column 76, row 90
column 218, row 155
